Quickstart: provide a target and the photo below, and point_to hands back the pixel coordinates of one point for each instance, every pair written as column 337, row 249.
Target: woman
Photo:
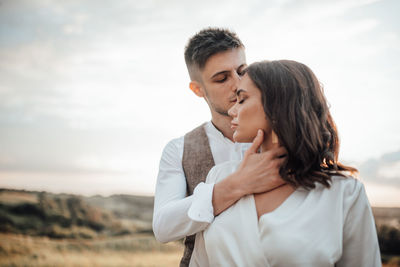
column 321, row 216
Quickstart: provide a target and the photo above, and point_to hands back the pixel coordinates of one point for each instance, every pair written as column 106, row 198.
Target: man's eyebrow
column 239, row 91
column 227, row 71
column 221, row 72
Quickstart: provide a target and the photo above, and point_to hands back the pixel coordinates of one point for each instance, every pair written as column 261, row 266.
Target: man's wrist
column 236, row 186
column 226, row 193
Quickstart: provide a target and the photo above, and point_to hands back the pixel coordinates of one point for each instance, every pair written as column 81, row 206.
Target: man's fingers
column 256, row 143
column 279, row 161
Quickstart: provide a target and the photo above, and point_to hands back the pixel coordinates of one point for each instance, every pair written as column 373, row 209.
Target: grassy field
column 138, row 250
column 46, row 229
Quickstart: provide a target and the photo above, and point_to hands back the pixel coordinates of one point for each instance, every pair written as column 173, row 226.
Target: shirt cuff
column 201, row 209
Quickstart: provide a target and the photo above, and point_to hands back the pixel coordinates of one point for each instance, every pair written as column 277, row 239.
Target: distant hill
column 138, row 209
column 73, row 216
column 387, row 216
column 78, row 217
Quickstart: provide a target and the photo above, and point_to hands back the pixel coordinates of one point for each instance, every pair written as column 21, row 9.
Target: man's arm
column 177, row 215
column 258, row 172
column 171, row 218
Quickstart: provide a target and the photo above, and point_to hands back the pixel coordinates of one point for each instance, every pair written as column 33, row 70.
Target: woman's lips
column 234, row 126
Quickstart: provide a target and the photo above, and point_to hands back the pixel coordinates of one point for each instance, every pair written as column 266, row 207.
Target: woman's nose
column 232, row 111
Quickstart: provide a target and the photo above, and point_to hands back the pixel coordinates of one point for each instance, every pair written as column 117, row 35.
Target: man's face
column 220, row 79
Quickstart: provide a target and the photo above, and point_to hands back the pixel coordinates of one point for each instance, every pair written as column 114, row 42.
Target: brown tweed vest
column 197, row 161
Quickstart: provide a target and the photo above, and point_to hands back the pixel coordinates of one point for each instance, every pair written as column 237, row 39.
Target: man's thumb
column 256, row 143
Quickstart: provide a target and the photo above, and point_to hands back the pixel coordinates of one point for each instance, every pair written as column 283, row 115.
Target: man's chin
column 223, row 113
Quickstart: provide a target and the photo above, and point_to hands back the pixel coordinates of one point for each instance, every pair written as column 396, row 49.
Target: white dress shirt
column 318, row 227
column 177, row 215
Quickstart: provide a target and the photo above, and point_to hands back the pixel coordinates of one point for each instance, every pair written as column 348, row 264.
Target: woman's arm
column 360, row 241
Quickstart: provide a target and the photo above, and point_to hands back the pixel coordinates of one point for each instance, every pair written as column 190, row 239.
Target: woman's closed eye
column 241, row 72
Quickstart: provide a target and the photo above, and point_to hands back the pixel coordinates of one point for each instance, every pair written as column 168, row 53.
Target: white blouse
column 319, row 227
column 177, row 215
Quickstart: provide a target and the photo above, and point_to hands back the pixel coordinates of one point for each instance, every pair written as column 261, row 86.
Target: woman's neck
column 267, row 144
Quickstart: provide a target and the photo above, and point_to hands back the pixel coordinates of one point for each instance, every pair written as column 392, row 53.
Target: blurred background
column 91, row 92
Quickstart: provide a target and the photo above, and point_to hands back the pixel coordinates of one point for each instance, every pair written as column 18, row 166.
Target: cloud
column 89, row 86
column 384, row 170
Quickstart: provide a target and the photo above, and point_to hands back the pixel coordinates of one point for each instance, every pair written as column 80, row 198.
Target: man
column 184, row 204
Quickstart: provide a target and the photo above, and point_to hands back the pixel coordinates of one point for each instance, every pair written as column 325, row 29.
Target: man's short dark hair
column 206, row 43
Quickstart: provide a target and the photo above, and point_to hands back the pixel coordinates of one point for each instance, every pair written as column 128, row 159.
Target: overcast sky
column 91, row 91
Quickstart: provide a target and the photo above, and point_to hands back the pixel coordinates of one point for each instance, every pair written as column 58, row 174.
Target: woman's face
column 248, row 113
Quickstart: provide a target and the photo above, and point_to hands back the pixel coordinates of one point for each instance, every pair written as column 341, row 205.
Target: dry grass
column 393, row 262
column 95, row 259
column 140, row 250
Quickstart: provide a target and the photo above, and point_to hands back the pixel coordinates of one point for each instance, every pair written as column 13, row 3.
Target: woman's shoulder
column 348, row 187
column 221, row 171
column 343, row 194
column 347, row 183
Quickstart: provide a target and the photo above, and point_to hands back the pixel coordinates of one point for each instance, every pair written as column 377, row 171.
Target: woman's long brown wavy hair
column 296, row 107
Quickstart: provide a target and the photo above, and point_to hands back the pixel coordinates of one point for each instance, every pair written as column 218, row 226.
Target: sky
column 91, row 91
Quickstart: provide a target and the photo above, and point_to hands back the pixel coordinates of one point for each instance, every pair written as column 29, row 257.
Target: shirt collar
column 211, row 129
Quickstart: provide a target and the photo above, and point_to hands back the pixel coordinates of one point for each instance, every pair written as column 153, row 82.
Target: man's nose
column 236, row 80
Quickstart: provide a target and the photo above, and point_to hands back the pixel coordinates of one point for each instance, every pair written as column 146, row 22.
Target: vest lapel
column 197, row 158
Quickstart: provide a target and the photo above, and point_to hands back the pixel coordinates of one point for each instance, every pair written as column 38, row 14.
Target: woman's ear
column 196, row 88
column 274, row 138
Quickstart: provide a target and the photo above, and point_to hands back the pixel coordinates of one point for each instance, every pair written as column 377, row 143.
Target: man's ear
column 196, row 88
